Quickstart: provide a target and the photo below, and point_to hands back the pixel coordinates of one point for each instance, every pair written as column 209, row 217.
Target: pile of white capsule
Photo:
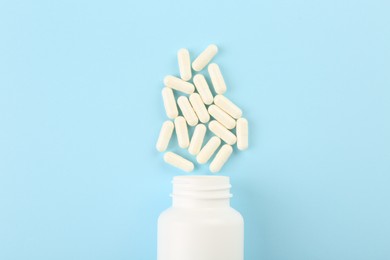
column 196, row 110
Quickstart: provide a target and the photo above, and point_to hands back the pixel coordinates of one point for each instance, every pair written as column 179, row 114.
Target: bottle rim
column 201, row 187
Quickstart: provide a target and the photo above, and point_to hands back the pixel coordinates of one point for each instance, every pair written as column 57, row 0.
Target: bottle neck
column 196, row 203
column 201, row 192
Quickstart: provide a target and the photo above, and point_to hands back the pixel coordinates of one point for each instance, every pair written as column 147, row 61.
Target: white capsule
column 187, row 110
column 205, row 57
column 208, row 150
column 199, row 107
column 242, row 134
column 203, row 88
column 178, row 161
column 182, row 132
column 221, row 158
column 220, row 131
column 228, row 106
column 222, row 117
column 164, row 136
column 169, row 103
column 216, row 78
column 197, row 139
column 179, row 84
column 183, row 57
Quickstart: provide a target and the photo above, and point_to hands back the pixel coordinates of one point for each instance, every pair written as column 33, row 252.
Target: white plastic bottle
column 200, row 225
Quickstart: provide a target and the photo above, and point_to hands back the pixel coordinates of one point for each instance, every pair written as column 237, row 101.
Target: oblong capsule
column 216, row 78
column 179, row 84
column 222, row 117
column 187, row 110
column 197, row 139
column 220, row 131
column 228, row 106
column 203, row 88
column 242, row 134
column 178, row 161
column 164, row 136
column 205, row 57
column 183, row 58
column 208, row 150
column 182, row 132
column 221, row 158
column 199, row 108
column 169, row 103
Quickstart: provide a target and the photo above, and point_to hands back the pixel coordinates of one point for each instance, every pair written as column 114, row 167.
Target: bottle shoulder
column 219, row 215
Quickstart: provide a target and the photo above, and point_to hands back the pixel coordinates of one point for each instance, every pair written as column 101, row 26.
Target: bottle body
column 201, row 225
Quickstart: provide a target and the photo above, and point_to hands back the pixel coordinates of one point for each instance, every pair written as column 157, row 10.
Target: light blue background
column 80, row 111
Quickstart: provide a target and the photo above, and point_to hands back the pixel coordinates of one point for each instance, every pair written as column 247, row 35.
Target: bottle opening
column 201, row 187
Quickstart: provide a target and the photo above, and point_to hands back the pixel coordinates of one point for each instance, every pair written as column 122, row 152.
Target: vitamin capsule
column 221, row 158
column 205, row 57
column 182, row 132
column 242, row 134
column 165, row 136
column 216, row 78
column 208, row 150
column 197, row 139
column 178, row 161
column 220, row 131
column 169, row 103
column 203, row 88
column 187, row 110
column 199, row 107
column 179, row 84
column 183, row 57
column 222, row 117
column 228, row 106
